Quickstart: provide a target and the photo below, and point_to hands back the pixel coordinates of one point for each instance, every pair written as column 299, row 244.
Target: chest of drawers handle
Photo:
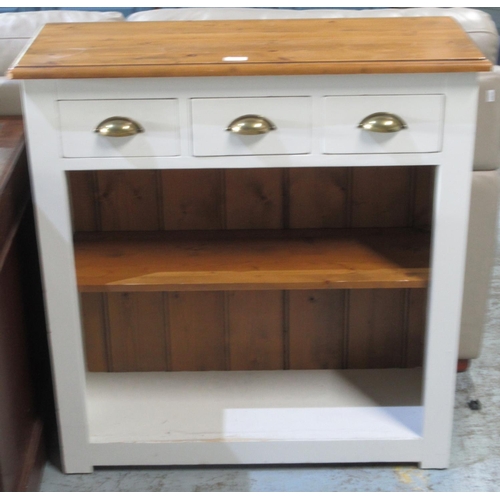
column 251, row 125
column 382, row 123
column 118, row 126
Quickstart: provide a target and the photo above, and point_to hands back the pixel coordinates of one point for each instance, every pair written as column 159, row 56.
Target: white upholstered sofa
column 16, row 29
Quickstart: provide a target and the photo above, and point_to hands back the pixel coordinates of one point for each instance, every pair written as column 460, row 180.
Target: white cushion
column 487, row 147
column 476, row 23
column 481, row 248
column 10, row 98
column 16, row 31
column 17, row 28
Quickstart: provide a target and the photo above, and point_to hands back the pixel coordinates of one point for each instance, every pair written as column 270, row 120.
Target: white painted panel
column 318, row 424
column 292, row 405
column 450, row 226
column 422, row 113
column 291, row 115
column 55, row 240
column 257, row 452
column 158, row 117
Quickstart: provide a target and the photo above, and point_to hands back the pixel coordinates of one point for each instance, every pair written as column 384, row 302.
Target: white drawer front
column 423, row 115
column 158, row 117
column 291, row 115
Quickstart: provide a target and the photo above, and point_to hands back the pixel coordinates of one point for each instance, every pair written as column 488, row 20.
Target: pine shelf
column 252, row 260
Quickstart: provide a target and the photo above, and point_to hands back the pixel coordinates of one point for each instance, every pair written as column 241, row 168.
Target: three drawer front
column 422, row 116
column 285, row 123
column 157, row 133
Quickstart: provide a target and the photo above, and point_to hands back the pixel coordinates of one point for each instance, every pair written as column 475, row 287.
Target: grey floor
column 475, row 462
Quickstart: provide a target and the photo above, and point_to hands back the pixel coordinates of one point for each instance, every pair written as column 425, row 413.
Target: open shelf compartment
column 252, row 269
column 225, row 412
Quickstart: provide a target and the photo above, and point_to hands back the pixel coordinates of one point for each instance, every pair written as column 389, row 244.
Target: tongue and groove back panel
column 248, row 329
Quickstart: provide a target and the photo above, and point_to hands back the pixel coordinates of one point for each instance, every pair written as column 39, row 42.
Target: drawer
column 290, row 115
column 159, row 119
column 423, row 115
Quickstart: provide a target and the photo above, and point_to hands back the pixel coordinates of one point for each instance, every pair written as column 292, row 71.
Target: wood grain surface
column 250, row 47
column 252, row 260
column 14, row 180
column 23, row 397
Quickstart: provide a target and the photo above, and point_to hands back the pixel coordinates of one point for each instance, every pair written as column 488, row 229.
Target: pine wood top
column 246, row 260
column 268, row 47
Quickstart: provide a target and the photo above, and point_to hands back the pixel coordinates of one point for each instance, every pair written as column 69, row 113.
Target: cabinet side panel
column 193, row 199
column 53, row 217
column 318, row 197
column 256, row 331
column 128, row 200
column 376, row 327
column 17, row 411
column 196, row 324
column 316, row 329
column 254, row 198
column 92, row 309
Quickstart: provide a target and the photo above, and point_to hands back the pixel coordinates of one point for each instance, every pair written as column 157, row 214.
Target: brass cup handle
column 383, row 123
column 118, row 126
column 251, row 125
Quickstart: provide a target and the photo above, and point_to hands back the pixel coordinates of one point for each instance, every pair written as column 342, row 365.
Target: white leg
column 451, row 209
column 56, row 250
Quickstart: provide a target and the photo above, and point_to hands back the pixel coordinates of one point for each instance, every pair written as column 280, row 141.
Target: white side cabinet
column 265, row 416
column 103, row 101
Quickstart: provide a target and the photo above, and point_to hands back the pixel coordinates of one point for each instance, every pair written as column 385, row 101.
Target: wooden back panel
column 251, row 198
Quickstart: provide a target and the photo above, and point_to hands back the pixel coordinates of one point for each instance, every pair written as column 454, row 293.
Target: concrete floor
column 475, row 462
